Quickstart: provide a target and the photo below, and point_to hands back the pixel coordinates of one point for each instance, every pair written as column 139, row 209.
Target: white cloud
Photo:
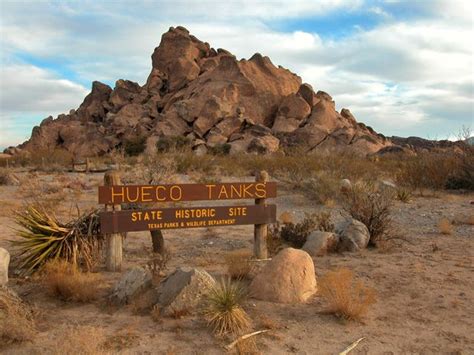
column 27, row 95
column 26, row 88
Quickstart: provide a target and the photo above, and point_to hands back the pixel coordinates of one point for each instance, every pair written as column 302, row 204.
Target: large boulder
column 320, row 243
column 132, row 283
column 183, row 290
column 288, row 278
column 353, row 235
column 4, row 262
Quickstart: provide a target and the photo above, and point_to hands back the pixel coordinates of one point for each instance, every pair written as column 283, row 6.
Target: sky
column 404, row 68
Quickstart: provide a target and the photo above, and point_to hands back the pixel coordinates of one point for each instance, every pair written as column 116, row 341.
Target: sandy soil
column 425, row 287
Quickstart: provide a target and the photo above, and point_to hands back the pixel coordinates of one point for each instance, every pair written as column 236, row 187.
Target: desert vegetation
column 64, row 280
column 224, row 312
column 59, row 249
column 346, row 296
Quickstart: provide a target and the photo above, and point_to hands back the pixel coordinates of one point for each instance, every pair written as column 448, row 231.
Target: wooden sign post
column 115, row 221
column 261, row 230
column 113, row 259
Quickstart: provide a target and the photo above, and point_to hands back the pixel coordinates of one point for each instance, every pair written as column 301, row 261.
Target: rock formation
column 210, row 97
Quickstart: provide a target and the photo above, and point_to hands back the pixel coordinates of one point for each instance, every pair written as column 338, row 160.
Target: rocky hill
column 213, row 99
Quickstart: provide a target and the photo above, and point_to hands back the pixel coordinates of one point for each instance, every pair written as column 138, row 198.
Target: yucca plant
column 403, row 195
column 44, row 238
column 224, row 312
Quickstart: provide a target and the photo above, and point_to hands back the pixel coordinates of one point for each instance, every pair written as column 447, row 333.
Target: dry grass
column 239, row 264
column 247, row 347
column 445, row 226
column 224, row 312
column 124, row 339
column 65, row 281
column 156, row 314
column 84, row 340
column 347, row 298
column 16, row 319
column 268, row 323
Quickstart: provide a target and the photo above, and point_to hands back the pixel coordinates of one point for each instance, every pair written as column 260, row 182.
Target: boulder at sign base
column 130, row 285
column 183, row 290
column 288, row 278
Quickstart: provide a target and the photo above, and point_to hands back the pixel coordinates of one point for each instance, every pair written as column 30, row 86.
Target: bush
column 371, row 206
column 347, row 297
column 5, row 178
column 134, row 146
column 296, row 234
column 427, row 171
column 224, row 312
column 220, row 149
column 324, row 223
column 173, row 143
column 239, row 264
column 65, row 281
column 274, row 241
column 463, row 175
column 403, row 195
column 44, row 238
column 16, row 319
column 323, row 189
column 445, row 226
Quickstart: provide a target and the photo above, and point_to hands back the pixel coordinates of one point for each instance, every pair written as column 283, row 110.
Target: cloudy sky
column 403, row 67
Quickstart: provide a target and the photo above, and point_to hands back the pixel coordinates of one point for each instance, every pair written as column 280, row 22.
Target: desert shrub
column 295, row 234
column 462, row 176
column 172, row 143
column 16, row 319
column 188, row 161
column 134, row 146
column 44, row 238
column 403, row 195
column 220, row 149
column 346, row 297
column 324, row 222
column 155, row 171
column 4, row 177
column 66, row 281
column 426, row 171
column 49, row 159
column 322, row 189
column 371, row 206
column 445, row 226
column 158, row 261
column 274, row 241
column 239, row 264
column 224, row 312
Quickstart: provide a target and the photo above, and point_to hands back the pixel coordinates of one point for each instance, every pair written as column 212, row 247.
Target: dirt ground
column 425, row 287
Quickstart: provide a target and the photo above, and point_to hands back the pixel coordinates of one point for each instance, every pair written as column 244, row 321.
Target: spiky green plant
column 403, row 195
column 44, row 238
column 224, row 312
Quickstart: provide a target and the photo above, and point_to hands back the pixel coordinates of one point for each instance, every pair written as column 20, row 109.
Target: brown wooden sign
column 191, row 217
column 186, row 192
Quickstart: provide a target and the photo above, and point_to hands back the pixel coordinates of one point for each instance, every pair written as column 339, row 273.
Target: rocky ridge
column 211, row 98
